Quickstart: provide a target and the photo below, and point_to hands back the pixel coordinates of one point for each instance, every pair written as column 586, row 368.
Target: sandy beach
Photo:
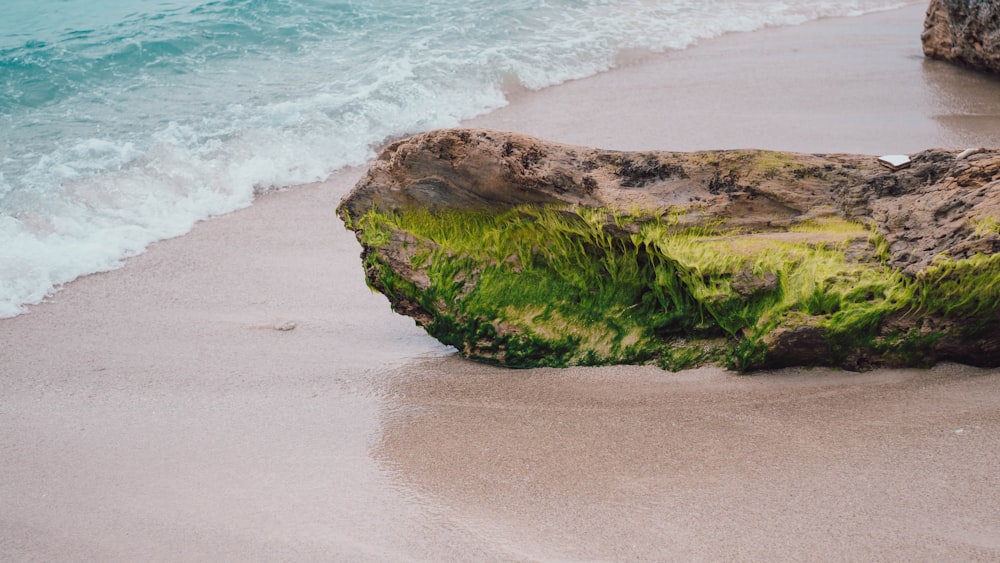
column 239, row 394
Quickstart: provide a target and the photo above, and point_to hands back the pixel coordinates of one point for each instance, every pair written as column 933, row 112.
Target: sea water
column 124, row 123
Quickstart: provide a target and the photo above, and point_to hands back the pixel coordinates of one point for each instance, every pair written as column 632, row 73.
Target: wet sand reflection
column 602, row 463
column 966, row 103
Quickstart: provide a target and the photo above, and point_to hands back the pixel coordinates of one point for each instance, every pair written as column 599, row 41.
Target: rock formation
column 965, row 32
column 524, row 253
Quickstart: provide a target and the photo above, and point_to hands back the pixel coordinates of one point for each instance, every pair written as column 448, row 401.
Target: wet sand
column 155, row 412
column 799, row 465
column 855, row 85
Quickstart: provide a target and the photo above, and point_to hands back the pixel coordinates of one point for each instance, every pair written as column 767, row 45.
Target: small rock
column 967, row 153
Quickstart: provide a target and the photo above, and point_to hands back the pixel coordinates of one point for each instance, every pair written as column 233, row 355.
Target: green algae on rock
column 527, row 253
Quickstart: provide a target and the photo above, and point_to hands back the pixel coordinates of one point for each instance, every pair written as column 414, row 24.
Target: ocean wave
column 127, row 126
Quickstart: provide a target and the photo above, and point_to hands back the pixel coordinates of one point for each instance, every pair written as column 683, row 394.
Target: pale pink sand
column 154, row 412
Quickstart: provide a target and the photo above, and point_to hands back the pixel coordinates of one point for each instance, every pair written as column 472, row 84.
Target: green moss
column 831, row 225
column 769, row 163
column 967, row 289
column 551, row 287
column 986, row 226
column 908, row 348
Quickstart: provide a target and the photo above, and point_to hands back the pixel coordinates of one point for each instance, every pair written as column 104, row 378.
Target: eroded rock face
column 966, row 32
column 523, row 252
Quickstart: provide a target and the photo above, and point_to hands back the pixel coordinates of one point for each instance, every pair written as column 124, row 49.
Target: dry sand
column 154, row 412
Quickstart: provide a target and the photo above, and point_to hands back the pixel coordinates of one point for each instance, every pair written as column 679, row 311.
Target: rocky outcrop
column 966, row 32
column 524, row 252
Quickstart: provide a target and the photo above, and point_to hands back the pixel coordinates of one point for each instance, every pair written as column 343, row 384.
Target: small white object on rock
column 894, row 161
column 285, row 326
column 967, row 153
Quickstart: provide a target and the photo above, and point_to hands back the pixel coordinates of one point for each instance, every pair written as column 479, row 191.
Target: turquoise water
column 123, row 123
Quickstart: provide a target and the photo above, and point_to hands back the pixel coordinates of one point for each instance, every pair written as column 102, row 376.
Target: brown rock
column 966, row 32
column 941, row 206
column 798, row 343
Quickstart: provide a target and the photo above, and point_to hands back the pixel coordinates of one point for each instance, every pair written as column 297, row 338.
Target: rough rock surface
column 945, row 206
column 966, row 32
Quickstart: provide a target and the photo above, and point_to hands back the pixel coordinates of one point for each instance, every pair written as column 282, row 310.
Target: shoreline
column 840, row 85
column 156, row 411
